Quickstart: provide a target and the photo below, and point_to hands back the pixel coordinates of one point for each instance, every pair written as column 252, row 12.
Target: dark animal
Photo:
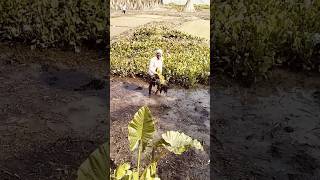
column 160, row 87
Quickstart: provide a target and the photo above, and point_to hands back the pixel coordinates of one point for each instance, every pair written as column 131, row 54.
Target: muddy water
column 182, row 110
column 84, row 114
column 267, row 133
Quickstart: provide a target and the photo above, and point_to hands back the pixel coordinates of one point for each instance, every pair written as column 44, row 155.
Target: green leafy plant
column 162, row 79
column 53, row 23
column 95, row 167
column 140, row 134
column 141, row 130
column 252, row 37
column 186, row 58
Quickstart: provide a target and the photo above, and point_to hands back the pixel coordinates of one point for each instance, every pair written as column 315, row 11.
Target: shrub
column 47, row 23
column 188, row 61
column 252, row 37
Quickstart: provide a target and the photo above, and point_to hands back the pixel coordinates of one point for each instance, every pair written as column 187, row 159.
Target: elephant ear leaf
column 141, row 128
column 178, row 143
column 95, row 167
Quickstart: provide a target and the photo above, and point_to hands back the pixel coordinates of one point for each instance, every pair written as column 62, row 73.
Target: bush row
column 186, row 58
column 49, row 23
column 252, row 37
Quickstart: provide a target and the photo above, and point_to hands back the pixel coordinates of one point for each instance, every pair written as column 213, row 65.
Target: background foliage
column 186, row 58
column 252, row 37
column 47, row 23
column 134, row 4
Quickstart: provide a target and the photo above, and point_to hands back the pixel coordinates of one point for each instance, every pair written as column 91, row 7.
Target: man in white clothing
column 155, row 64
column 124, row 8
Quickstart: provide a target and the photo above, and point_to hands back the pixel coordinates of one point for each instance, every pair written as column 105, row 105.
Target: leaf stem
column 139, row 158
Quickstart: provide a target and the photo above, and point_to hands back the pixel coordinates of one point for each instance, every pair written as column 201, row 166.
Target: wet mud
column 181, row 110
column 270, row 131
column 53, row 116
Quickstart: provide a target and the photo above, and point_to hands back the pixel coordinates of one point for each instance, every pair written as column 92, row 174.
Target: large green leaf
column 141, row 128
column 178, row 143
column 96, row 166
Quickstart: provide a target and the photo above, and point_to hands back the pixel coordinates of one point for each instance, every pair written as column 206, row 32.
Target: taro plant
column 141, row 130
column 186, row 57
column 95, row 167
column 53, row 23
column 252, row 37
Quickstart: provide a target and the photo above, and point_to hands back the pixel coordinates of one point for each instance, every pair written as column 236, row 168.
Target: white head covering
column 159, row 51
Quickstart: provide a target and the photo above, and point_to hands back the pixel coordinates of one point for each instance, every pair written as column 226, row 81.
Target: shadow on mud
column 135, row 87
column 73, row 80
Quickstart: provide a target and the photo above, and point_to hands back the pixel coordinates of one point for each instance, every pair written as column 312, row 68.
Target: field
column 254, row 37
column 186, row 59
column 266, row 90
column 48, row 127
column 49, row 122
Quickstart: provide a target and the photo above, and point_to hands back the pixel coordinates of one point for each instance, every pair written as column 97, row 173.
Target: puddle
column 83, row 114
column 69, row 79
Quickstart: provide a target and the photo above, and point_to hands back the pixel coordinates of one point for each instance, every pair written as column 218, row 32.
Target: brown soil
column 47, row 129
column 268, row 131
column 181, row 110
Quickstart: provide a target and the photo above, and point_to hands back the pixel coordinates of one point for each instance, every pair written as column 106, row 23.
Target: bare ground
column 47, row 129
column 268, row 131
column 181, row 110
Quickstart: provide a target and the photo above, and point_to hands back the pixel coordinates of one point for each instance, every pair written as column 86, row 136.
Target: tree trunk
column 189, row 7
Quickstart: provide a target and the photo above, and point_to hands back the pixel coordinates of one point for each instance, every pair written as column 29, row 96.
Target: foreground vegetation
column 252, row 37
column 53, row 23
column 141, row 138
column 186, row 58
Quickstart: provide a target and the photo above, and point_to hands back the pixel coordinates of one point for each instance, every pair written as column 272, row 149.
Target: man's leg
column 151, row 79
column 150, row 87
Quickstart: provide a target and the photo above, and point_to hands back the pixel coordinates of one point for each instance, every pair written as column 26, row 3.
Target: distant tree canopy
column 135, row 4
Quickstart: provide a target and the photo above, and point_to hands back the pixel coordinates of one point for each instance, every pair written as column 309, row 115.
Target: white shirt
column 154, row 64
